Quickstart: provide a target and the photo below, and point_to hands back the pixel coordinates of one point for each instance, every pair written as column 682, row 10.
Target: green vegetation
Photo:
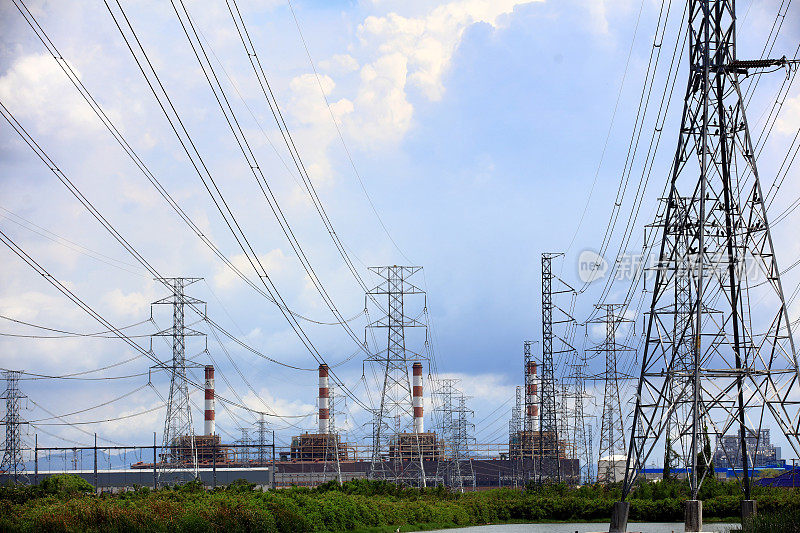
column 772, row 522
column 67, row 503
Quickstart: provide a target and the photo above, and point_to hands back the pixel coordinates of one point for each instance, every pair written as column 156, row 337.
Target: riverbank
column 69, row 504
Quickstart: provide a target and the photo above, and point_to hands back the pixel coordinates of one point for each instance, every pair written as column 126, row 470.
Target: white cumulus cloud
column 35, row 88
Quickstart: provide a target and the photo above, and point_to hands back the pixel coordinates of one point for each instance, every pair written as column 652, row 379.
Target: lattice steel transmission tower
column 13, row 462
column 530, row 421
column 463, row 436
column 261, row 438
column 743, row 361
column 612, row 420
column 549, row 447
column 679, row 379
column 514, row 430
column 394, row 415
column 245, row 452
column 178, row 429
column 449, row 470
column 578, row 431
column 515, row 423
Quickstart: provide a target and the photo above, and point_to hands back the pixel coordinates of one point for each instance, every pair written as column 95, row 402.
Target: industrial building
column 549, row 455
column 415, row 447
column 611, row 468
column 320, row 447
column 760, row 452
column 406, row 453
column 415, row 457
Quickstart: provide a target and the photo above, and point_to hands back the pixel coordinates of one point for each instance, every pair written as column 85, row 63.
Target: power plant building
column 760, row 452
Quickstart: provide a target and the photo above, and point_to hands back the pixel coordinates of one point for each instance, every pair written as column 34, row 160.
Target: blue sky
column 477, row 128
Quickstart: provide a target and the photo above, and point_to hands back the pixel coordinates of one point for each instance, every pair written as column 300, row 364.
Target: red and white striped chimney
column 209, row 423
column 531, row 392
column 416, row 397
column 324, row 406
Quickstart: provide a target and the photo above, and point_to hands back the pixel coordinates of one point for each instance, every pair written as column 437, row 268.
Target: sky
column 466, row 136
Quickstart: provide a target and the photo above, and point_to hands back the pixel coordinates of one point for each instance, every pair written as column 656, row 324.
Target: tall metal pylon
column 578, row 431
column 530, row 421
column 246, row 443
column 13, row 462
column 463, row 436
column 514, row 429
column 743, row 363
column 261, row 438
column 679, row 422
column 515, row 423
column 178, row 421
column 394, row 414
column 449, row 471
column 549, row 447
column 612, row 420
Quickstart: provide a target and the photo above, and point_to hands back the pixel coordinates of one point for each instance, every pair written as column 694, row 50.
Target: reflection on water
column 639, row 527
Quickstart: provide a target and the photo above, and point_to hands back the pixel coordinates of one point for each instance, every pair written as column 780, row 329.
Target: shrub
column 65, row 485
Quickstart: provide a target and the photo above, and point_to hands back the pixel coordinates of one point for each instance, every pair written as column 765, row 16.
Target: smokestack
column 532, row 409
column 324, row 407
column 209, row 424
column 416, row 397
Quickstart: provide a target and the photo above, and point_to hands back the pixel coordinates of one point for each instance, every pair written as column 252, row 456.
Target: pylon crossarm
column 744, row 66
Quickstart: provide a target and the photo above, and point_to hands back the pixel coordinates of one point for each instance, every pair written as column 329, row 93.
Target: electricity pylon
column 178, row 421
column 548, row 420
column 261, row 431
column 514, row 429
column 13, row 462
column 449, row 471
column 742, row 363
column 679, row 422
column 463, row 438
column 394, row 414
column 245, row 451
column 549, row 443
column 612, row 420
column 578, row 430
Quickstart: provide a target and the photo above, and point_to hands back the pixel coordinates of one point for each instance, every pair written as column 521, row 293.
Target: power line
column 641, row 113
column 339, row 132
column 34, row 377
column 138, row 162
column 92, row 408
column 247, row 152
column 71, row 245
column 68, row 334
column 104, row 222
column 207, row 179
column 610, row 128
column 86, row 308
